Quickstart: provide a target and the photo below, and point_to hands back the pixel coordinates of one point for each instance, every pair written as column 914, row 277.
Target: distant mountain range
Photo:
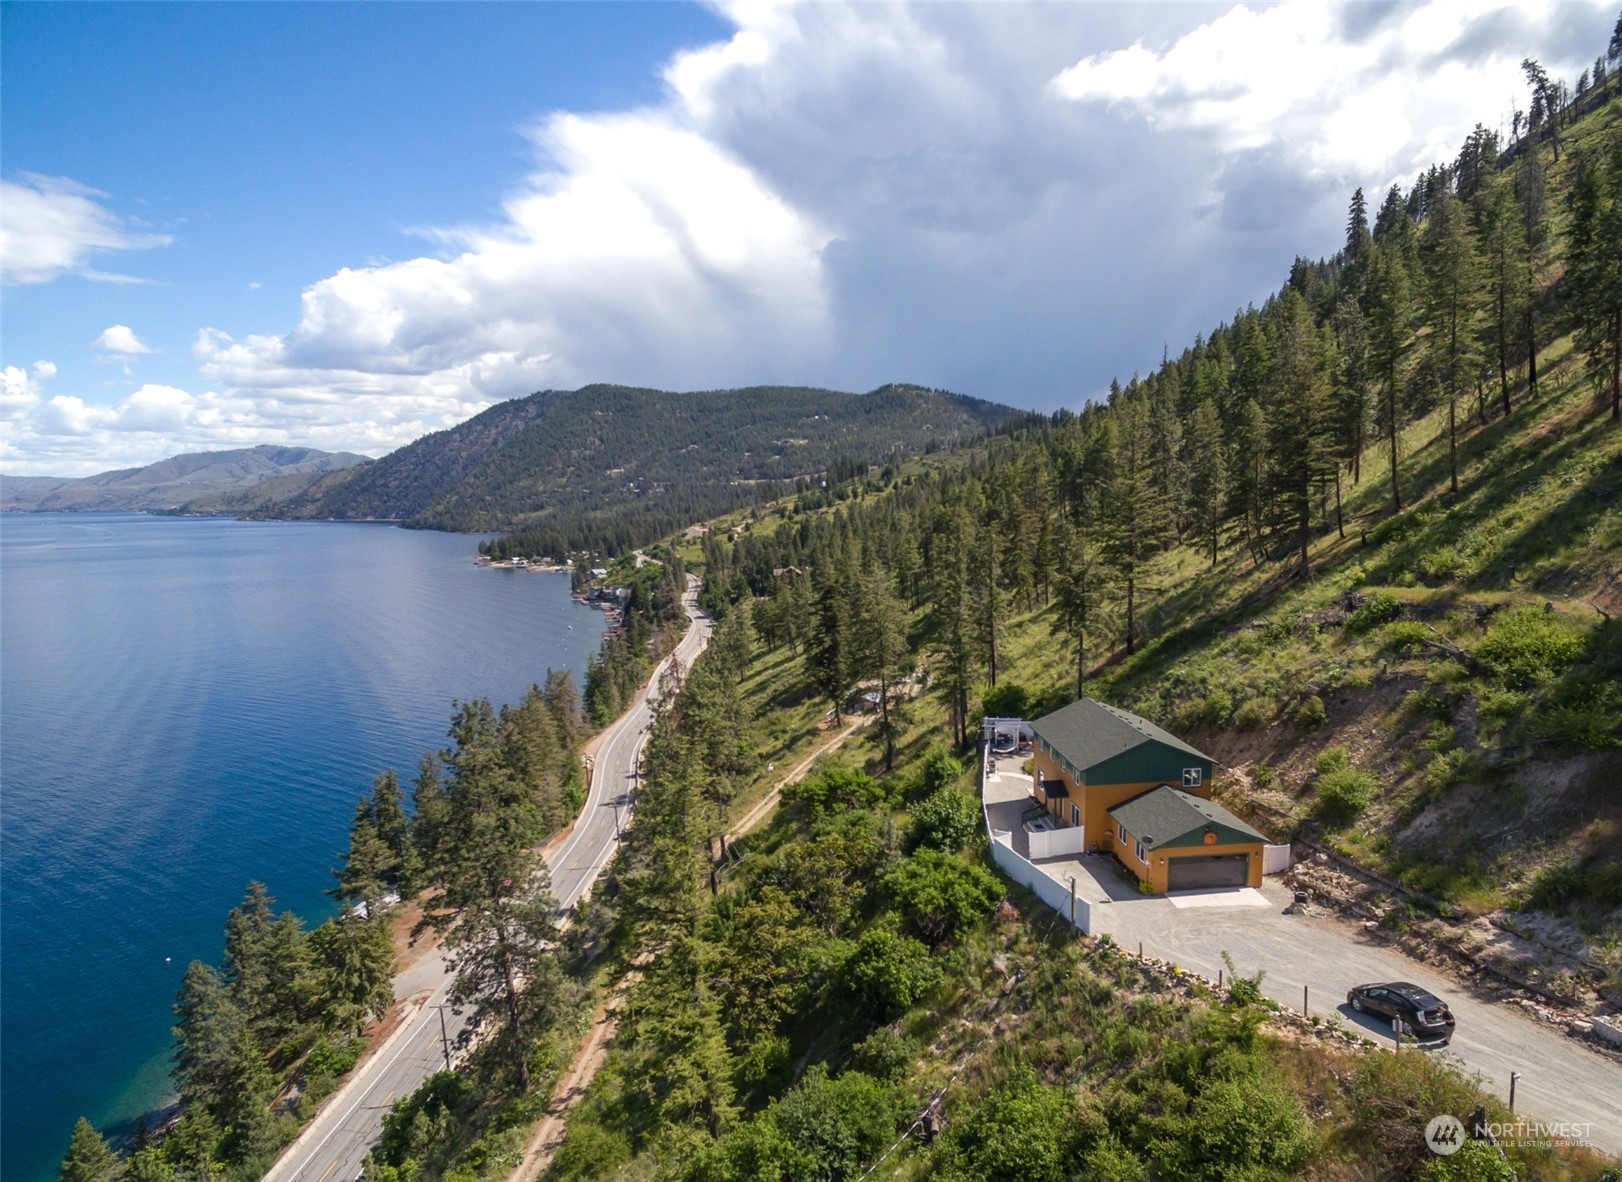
column 600, row 467
column 173, row 484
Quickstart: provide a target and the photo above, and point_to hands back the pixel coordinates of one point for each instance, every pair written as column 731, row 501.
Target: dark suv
column 1424, row 1014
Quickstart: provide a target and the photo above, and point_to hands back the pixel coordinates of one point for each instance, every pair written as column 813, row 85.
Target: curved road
column 334, row 1146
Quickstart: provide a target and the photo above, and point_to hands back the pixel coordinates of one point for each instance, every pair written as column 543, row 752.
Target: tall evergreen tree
column 1390, row 336
column 89, row 1158
column 1594, row 263
column 1452, row 305
column 1301, row 425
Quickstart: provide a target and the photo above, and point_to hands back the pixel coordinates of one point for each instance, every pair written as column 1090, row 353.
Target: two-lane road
column 334, row 1146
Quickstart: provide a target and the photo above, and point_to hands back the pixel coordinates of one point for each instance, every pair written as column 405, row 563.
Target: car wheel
column 1357, row 1004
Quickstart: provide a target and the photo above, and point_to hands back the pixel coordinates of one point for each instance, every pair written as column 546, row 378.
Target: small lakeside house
column 1142, row 794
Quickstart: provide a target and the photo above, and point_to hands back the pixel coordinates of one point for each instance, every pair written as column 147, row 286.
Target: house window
column 1121, row 832
column 1075, row 814
column 1139, row 851
column 1191, row 777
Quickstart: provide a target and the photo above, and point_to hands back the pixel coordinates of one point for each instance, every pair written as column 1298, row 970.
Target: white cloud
column 1015, row 201
column 52, row 226
column 21, row 390
column 121, row 338
column 1378, row 102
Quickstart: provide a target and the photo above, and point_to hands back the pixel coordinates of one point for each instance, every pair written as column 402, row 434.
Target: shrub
column 1402, row 635
column 1252, row 715
column 945, row 821
column 1311, row 713
column 1264, row 775
column 1474, row 1161
column 1332, row 759
column 833, row 790
column 1023, row 1131
column 1445, row 770
column 940, row 895
column 1344, row 791
column 888, row 973
column 1008, row 700
column 937, row 768
column 1379, row 609
column 1527, row 646
column 885, row 1055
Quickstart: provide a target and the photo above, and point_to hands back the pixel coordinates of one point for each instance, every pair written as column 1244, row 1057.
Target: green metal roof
column 1088, row 733
column 1165, row 816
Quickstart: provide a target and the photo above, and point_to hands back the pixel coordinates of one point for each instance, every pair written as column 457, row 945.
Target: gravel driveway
column 1561, row 1079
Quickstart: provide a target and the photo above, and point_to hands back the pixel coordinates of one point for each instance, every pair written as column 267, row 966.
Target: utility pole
column 444, row 1038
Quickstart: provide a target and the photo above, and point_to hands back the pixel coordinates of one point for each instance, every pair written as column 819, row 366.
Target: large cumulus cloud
column 1016, row 202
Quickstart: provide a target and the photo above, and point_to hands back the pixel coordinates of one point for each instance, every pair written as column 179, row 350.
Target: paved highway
column 334, row 1146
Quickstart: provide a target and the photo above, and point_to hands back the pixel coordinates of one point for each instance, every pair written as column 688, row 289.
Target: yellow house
column 1090, row 758
column 1176, row 841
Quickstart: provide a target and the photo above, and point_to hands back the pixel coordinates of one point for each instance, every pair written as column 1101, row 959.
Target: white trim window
column 1120, row 831
column 1192, row 777
column 1141, row 858
column 1075, row 813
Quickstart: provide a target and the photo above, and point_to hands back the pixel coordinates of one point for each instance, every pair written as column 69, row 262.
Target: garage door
column 1208, row 870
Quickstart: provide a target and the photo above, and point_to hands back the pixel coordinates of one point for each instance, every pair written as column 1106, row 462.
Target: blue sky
column 347, row 224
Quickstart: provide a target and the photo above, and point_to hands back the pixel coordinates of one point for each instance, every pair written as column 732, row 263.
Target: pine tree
column 951, row 614
column 1594, row 263
column 387, row 806
column 1081, row 588
column 880, row 628
column 1531, row 194
column 1505, row 244
column 1390, row 335
column 1301, row 426
column 1132, row 510
column 368, row 863
column 89, row 1157
column 828, row 653
column 1208, row 473
column 1452, row 305
column 356, row 954
column 209, row 1024
column 496, row 906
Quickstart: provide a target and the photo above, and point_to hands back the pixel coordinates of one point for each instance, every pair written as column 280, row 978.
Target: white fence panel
column 1050, row 890
column 1275, row 859
column 1054, row 843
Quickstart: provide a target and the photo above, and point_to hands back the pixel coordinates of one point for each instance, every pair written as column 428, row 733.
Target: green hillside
column 610, row 467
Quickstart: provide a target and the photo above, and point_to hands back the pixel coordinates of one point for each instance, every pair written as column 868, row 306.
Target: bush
column 885, row 1055
column 1332, row 759
column 945, row 821
column 940, row 895
column 1403, row 635
column 1252, row 715
column 1446, row 770
column 1527, row 646
column 1379, row 609
column 937, row 768
column 832, row 790
column 1024, row 1131
column 1344, row 791
column 888, row 973
column 1007, row 700
column 1475, row 1161
column 1311, row 713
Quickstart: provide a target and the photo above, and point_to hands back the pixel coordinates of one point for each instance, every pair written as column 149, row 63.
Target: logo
column 1444, row 1134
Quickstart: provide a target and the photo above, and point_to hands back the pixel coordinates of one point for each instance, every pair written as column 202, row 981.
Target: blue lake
column 188, row 704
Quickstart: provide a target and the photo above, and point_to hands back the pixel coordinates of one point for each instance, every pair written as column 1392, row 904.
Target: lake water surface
column 188, row 704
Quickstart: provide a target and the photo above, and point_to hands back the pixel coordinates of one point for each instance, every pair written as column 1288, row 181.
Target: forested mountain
column 172, row 483
column 610, row 467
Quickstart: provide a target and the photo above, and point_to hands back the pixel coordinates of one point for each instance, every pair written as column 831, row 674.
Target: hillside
column 170, row 484
column 611, row 467
column 1389, row 605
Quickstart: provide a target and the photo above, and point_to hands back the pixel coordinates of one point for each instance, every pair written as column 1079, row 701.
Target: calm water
column 189, row 704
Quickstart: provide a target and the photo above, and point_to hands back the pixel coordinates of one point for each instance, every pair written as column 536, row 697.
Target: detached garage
column 1175, row 841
